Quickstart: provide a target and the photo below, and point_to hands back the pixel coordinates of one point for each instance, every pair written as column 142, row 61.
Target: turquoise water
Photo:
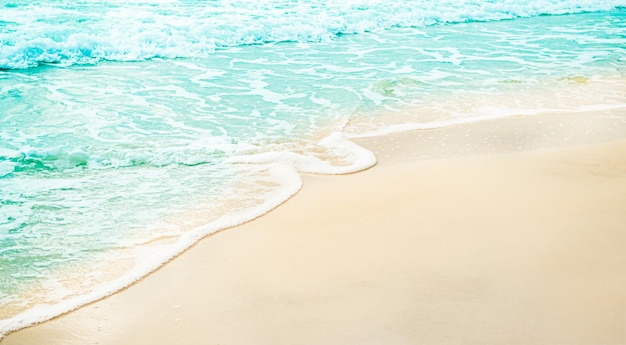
column 129, row 130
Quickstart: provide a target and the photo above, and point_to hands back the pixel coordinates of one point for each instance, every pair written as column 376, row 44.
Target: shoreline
column 318, row 269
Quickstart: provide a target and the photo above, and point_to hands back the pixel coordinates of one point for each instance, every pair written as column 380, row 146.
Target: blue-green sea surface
column 130, row 130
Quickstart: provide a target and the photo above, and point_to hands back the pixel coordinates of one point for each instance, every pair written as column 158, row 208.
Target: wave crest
column 121, row 31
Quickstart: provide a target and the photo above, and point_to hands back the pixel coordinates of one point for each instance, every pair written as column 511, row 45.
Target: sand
column 503, row 232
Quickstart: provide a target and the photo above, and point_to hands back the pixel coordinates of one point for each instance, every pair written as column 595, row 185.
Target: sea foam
column 87, row 32
column 117, row 167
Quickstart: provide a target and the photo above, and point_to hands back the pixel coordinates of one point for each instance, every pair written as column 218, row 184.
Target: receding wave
column 80, row 34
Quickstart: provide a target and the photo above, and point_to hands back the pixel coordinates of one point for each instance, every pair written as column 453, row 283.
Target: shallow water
column 129, row 131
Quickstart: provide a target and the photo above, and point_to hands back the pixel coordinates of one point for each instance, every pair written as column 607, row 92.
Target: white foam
column 481, row 114
column 338, row 154
column 137, row 31
column 151, row 258
column 411, row 126
column 6, row 168
column 356, row 157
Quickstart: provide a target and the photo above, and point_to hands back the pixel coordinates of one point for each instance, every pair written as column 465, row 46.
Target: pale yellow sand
column 511, row 248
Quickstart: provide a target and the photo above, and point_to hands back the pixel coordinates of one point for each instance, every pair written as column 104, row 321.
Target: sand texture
column 497, row 244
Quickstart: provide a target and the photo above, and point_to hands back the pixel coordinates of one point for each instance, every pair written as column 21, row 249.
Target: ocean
column 129, row 130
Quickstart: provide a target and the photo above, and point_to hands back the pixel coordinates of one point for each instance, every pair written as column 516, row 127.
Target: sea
column 131, row 129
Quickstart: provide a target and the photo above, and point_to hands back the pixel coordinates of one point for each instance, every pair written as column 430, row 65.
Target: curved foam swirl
column 107, row 171
column 147, row 258
column 336, row 155
column 340, row 156
column 57, row 33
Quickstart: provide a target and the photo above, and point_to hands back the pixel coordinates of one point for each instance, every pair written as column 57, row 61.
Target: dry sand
column 446, row 243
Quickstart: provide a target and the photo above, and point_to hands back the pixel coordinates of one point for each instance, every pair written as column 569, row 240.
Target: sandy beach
column 509, row 231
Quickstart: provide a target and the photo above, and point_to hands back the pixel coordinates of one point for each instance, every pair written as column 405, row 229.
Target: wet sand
column 503, row 232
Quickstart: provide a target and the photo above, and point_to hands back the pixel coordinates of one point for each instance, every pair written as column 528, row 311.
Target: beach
column 509, row 231
column 377, row 157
